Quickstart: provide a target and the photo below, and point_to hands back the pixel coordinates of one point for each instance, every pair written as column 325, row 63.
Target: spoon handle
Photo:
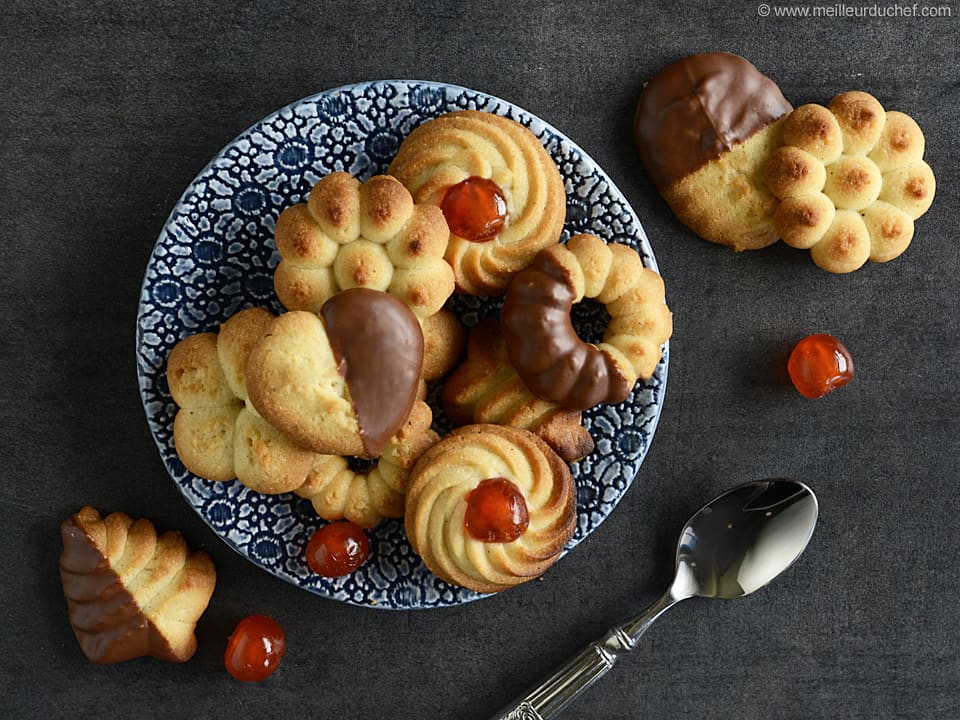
column 553, row 695
column 549, row 699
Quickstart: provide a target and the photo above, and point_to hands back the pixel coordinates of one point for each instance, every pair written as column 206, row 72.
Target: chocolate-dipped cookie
column 543, row 347
column 131, row 591
column 705, row 126
column 343, row 382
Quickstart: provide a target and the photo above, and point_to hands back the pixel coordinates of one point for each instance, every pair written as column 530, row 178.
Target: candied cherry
column 255, row 648
column 819, row 364
column 475, row 209
column 338, row 549
column 496, row 511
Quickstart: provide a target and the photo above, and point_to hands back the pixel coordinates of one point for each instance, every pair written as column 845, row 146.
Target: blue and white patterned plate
column 216, row 255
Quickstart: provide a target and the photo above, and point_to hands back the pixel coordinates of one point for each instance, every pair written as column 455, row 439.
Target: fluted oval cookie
column 468, row 144
column 485, row 388
column 341, row 382
column 705, row 126
column 851, row 181
column 131, row 592
column 543, row 345
column 441, row 502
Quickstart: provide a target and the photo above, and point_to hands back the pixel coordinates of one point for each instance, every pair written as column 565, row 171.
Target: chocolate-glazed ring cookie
column 553, row 362
column 705, row 126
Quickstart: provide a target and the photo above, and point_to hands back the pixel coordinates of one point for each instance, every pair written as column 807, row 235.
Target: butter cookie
column 131, row 592
column 490, row 507
column 491, row 159
column 705, row 126
column 851, row 180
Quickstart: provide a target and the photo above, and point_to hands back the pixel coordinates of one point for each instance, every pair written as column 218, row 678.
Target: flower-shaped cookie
column 351, row 234
column 851, row 180
column 368, row 235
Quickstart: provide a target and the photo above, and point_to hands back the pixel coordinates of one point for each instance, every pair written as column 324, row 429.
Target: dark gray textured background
column 108, row 111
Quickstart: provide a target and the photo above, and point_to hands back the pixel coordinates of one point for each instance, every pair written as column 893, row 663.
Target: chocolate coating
column 698, row 108
column 378, row 344
column 107, row 621
column 544, row 349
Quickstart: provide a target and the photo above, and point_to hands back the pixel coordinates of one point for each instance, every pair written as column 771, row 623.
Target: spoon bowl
column 734, row 545
column 744, row 538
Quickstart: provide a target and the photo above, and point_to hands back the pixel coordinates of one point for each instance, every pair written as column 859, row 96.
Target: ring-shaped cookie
column 543, row 346
column 338, row 491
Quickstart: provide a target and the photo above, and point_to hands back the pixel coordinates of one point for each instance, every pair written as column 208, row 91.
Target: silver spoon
column 732, row 546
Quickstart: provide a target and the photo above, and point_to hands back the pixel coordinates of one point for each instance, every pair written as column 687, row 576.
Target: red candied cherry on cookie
column 496, row 511
column 255, row 648
column 338, row 549
column 819, row 364
column 475, row 209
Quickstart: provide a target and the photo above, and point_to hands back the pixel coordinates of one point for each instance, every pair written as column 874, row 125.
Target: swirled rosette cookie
column 501, row 193
column 490, row 507
column 371, row 235
column 542, row 344
column 705, row 126
column 131, row 592
column 851, row 180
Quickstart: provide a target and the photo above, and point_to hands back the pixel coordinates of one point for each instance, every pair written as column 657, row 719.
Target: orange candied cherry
column 337, row 549
column 475, row 209
column 819, row 364
column 496, row 511
column 255, row 648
